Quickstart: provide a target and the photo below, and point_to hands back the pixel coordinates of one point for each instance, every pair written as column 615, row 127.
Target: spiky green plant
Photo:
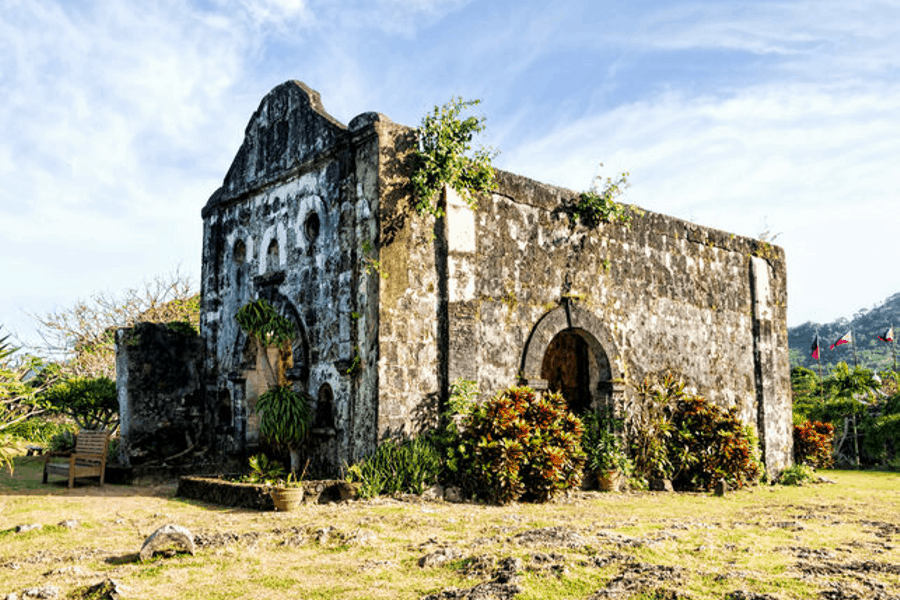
column 285, row 418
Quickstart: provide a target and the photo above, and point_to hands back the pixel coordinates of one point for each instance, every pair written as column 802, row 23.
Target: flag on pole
column 888, row 335
column 847, row 338
column 815, row 348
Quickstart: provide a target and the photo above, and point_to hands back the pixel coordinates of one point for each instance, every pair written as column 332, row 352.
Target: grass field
column 835, row 541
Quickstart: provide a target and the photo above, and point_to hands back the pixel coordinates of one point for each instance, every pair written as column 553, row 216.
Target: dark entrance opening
column 576, row 365
column 566, row 367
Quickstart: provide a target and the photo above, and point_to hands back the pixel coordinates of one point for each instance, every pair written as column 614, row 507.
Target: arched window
column 272, row 255
column 311, row 227
column 324, row 408
column 239, row 252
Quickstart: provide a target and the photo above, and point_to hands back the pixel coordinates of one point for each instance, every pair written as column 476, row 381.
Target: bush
column 263, row 470
column 38, row 430
column 519, row 445
column 91, row 401
column 410, row 466
column 710, row 444
column 601, row 443
column 796, row 475
column 455, row 463
column 813, row 441
column 649, row 425
column 64, row 441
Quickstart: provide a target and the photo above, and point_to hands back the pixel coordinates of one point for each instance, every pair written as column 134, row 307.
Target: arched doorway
column 260, row 368
column 580, row 373
column 571, row 351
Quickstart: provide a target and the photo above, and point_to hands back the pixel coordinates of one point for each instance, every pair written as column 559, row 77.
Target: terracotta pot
column 287, row 499
column 609, row 481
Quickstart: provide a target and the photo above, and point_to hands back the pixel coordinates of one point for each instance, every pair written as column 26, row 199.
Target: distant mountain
column 866, row 324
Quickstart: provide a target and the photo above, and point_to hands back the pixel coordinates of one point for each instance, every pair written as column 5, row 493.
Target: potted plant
column 603, row 447
column 287, row 492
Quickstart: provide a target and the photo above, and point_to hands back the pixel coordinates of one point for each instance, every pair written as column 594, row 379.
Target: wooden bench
column 88, row 460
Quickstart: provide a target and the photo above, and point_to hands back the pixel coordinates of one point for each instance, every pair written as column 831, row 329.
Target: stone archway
column 570, row 350
column 257, row 373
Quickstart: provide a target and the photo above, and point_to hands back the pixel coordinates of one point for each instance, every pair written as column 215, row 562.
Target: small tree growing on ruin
column 446, row 157
column 599, row 205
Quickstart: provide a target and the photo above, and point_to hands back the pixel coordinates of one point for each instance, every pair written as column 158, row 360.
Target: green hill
column 867, row 325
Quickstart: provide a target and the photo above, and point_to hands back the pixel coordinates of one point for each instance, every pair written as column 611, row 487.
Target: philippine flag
column 815, row 348
column 888, row 335
column 847, row 338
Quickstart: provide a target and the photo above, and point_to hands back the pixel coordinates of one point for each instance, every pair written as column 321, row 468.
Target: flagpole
column 853, row 344
column 819, row 364
column 894, row 348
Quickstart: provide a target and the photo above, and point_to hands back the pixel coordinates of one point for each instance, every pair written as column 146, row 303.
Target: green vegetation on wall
column 446, row 157
column 599, row 205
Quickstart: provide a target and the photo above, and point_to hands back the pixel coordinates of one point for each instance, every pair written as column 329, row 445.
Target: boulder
column 165, row 538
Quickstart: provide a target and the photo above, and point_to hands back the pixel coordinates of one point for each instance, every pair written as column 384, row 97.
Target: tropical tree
column 90, row 401
column 850, row 392
column 22, row 378
column 284, row 413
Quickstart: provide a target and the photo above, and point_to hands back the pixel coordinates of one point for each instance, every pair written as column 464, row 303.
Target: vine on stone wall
column 446, row 157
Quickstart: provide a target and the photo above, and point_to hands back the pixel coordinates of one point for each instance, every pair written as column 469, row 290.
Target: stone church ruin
column 390, row 308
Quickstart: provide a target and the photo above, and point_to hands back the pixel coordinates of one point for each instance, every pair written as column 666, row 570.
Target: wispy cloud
column 811, row 155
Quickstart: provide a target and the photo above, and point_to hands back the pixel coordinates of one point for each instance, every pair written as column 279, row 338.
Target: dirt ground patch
column 831, row 542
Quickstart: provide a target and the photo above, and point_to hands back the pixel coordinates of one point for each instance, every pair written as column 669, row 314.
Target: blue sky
column 119, row 118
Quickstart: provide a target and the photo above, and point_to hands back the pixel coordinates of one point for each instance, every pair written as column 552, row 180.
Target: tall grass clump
column 409, row 466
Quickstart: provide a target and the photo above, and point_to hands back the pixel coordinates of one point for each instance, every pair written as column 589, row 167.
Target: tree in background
column 850, row 391
column 82, row 337
column 90, row 401
column 862, row 407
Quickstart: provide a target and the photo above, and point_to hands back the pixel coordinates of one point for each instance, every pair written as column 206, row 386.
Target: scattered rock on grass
column 108, row 589
column 438, row 557
column 43, row 593
column 27, row 527
column 168, row 538
column 551, row 536
column 642, row 578
column 742, row 595
column 482, row 591
column 74, row 570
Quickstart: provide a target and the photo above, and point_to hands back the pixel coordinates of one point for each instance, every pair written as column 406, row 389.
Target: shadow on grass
column 27, row 480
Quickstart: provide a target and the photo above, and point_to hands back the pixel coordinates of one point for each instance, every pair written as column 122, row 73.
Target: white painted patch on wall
column 461, row 286
column 460, row 224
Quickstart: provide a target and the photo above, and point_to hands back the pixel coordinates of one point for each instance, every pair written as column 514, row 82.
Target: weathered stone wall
column 161, row 407
column 662, row 295
column 412, row 374
column 289, row 225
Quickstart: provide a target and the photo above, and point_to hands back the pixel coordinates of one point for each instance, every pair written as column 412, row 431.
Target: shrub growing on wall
column 446, row 157
column 520, row 445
